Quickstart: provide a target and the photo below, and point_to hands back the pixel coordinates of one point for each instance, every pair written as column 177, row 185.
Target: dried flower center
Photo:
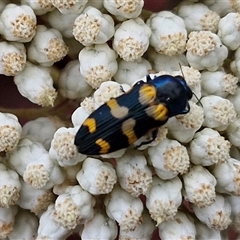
column 66, row 214
column 46, row 96
column 64, row 4
column 210, row 21
column 201, row 43
column 163, row 211
column 172, row 44
column 24, row 27
column 88, row 104
column 9, row 138
column 56, row 49
column 45, row 4
column 36, row 175
column 63, row 144
column 130, row 220
column 105, row 181
column 8, row 196
column 230, row 83
column 218, row 149
column 224, row 112
column 86, row 28
column 97, row 75
column 128, row 6
column 176, row 159
column 13, row 63
column 204, row 196
column 129, row 49
column 193, row 119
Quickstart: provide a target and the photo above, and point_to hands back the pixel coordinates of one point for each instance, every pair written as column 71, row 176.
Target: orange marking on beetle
column 116, row 110
column 158, row 112
column 147, row 94
column 128, row 130
column 91, row 124
column 104, row 145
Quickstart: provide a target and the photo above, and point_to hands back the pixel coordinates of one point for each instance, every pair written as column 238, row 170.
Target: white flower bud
column 66, row 6
column 124, row 9
column 26, row 226
column 10, row 187
column 217, row 215
column 63, row 149
column 124, row 208
column 218, row 112
column 25, row 153
column 233, row 132
column 93, row 27
column 35, row 200
column 229, row 30
column 43, row 173
column 96, row 177
column 10, row 131
column 164, row 198
column 206, row 233
column 168, row 33
column 183, row 127
column 99, row 227
column 47, row 47
column 61, row 22
column 73, row 207
column 18, row 23
column 133, row 173
column 162, row 62
column 36, row 84
column 198, row 16
column 49, row 228
column 169, row 158
column 12, row 58
column 235, row 214
column 234, row 99
column 128, row 72
column 131, row 39
column 144, row 231
column 205, row 50
column 71, row 83
column 228, row 183
column 38, row 6
column 97, row 64
column 42, row 129
column 181, row 227
column 199, row 185
column 218, row 83
column 222, row 8
column 7, row 219
column 208, row 147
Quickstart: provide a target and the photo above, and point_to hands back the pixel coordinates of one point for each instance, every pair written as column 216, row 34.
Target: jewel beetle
column 121, row 121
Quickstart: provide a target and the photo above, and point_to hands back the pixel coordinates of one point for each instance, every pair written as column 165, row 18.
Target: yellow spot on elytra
column 104, row 145
column 158, row 112
column 147, row 94
column 116, row 110
column 91, row 124
column 128, row 130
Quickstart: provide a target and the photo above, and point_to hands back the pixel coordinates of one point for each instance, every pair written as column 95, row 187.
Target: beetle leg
column 154, row 135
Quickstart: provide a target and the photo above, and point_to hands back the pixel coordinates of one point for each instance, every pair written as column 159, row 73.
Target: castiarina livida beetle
column 121, row 121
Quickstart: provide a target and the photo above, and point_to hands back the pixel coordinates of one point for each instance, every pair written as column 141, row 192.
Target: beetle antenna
column 198, row 100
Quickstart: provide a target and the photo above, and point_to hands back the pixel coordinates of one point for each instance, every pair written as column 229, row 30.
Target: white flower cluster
column 183, row 185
